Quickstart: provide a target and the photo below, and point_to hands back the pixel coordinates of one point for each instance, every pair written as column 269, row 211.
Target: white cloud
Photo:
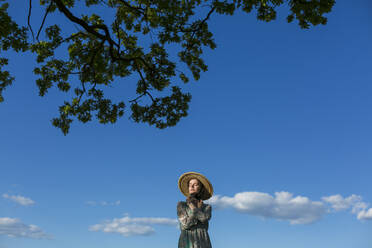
column 282, row 206
column 339, row 203
column 128, row 226
column 19, row 199
column 365, row 214
column 358, row 207
column 296, row 210
column 12, row 227
column 103, row 203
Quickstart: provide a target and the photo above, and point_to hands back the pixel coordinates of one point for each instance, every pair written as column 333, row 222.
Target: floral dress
column 194, row 226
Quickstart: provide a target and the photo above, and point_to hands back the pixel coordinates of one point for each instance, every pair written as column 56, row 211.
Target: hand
column 191, row 205
column 191, row 202
column 200, row 203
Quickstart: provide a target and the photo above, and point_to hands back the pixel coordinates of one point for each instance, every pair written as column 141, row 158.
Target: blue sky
column 281, row 124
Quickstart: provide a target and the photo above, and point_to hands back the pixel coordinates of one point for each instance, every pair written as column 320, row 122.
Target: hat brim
column 186, row 177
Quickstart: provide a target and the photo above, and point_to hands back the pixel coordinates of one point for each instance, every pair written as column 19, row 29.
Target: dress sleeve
column 203, row 215
column 185, row 220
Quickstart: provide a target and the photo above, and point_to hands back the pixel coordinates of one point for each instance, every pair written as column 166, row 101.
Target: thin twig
column 138, row 9
column 117, row 26
column 135, row 100
column 28, row 20
column 92, row 30
column 42, row 24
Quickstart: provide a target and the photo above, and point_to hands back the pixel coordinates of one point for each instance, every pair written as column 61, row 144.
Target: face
column 194, row 186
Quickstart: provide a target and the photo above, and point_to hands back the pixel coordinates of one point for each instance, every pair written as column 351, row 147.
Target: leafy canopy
column 100, row 53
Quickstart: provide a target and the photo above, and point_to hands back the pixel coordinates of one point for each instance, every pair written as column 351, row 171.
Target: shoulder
column 207, row 205
column 181, row 204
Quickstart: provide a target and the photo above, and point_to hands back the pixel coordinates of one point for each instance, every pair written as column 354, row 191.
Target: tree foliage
column 135, row 42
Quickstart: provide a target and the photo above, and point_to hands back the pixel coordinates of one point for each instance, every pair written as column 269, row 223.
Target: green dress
column 194, row 226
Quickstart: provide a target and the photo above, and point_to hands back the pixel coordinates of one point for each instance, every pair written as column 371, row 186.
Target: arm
column 203, row 215
column 185, row 220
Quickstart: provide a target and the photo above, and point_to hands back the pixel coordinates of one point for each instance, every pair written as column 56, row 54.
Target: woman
column 193, row 214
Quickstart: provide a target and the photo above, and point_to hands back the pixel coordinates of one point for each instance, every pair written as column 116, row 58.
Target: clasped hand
column 192, row 204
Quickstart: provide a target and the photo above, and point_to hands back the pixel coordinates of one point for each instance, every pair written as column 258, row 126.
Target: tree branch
column 138, row 9
column 200, row 24
column 42, row 24
column 135, row 100
column 91, row 29
column 90, row 64
column 28, row 20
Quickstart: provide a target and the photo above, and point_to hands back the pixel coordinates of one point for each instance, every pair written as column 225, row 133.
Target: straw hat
column 183, row 184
